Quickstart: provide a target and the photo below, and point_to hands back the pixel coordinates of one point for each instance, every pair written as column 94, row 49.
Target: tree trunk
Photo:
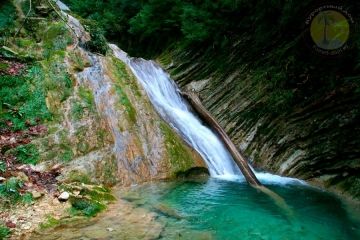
column 238, row 157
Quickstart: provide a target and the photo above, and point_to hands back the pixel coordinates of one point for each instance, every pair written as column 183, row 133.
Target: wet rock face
column 317, row 141
column 140, row 144
column 105, row 129
column 138, row 150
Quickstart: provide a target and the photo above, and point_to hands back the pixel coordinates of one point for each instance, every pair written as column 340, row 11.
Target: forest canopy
column 158, row 23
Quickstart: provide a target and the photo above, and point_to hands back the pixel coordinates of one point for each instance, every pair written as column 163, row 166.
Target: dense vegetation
column 267, row 35
column 140, row 26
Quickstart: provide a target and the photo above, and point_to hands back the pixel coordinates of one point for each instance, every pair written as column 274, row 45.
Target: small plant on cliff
column 77, row 111
column 4, row 232
column 9, row 190
column 91, row 199
column 27, row 154
column 50, row 222
column 98, row 42
column 86, row 207
column 22, row 100
column 2, row 166
column 11, row 193
column 87, row 97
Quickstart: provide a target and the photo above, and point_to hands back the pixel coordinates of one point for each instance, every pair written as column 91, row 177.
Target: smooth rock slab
column 120, row 221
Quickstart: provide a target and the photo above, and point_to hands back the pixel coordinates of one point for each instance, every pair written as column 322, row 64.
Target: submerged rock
column 167, row 211
column 126, row 221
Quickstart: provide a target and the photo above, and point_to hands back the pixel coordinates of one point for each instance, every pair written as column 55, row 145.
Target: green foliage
column 123, row 79
column 7, row 19
column 98, row 42
column 57, row 80
column 77, row 176
column 9, row 190
column 179, row 157
column 87, row 97
column 86, row 207
column 67, row 155
column 56, row 38
column 87, row 102
column 196, row 23
column 27, row 198
column 22, row 99
column 7, row 14
column 98, row 193
column 63, row 150
column 147, row 22
column 124, row 100
column 78, row 63
column 77, row 111
column 4, row 232
column 90, row 200
column 2, row 166
column 110, row 16
column 50, row 222
column 27, row 154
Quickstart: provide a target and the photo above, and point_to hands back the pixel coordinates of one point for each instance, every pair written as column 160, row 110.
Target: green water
column 218, row 209
column 215, row 209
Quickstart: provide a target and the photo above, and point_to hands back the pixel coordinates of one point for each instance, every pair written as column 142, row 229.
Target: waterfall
column 164, row 95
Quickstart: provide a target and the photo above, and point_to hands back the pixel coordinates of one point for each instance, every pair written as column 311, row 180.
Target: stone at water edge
column 167, row 211
column 64, row 196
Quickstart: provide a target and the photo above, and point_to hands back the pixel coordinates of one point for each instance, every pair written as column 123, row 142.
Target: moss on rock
column 180, row 158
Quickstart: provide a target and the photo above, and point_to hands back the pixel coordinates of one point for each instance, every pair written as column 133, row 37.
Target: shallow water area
column 232, row 210
column 216, row 209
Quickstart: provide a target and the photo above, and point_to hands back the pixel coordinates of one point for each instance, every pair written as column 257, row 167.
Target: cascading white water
column 164, row 95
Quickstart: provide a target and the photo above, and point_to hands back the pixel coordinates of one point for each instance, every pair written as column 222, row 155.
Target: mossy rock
column 90, row 199
column 180, row 157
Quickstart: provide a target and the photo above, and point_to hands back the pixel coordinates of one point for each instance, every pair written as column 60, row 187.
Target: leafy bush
column 27, row 154
column 9, row 190
column 27, row 198
column 77, row 111
column 22, row 99
column 4, row 232
column 87, row 97
column 86, row 207
column 7, row 19
column 56, row 38
column 57, row 79
column 91, row 199
column 2, row 166
column 98, row 42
